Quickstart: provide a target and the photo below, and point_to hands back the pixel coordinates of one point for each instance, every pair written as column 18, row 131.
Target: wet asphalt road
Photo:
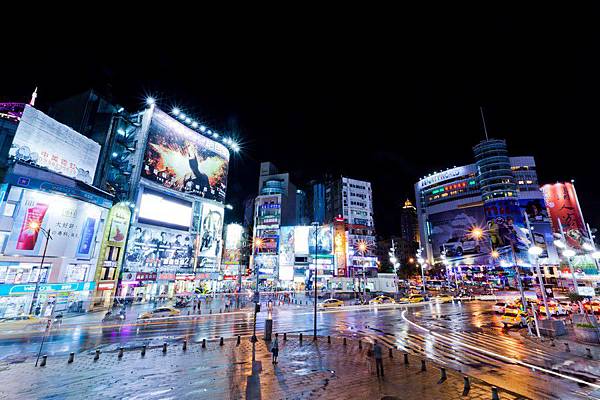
column 456, row 325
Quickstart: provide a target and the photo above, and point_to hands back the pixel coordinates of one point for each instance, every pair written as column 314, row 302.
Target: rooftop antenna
column 33, row 97
column 484, row 126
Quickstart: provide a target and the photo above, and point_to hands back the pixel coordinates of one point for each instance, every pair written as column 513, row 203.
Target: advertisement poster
column 73, row 225
column 324, row 238
column 183, row 160
column 506, row 228
column 152, row 249
column 267, row 266
column 268, row 210
column 561, row 202
column 535, row 209
column 301, row 239
column 115, row 232
column 211, row 231
column 287, row 246
column 452, row 231
column 339, row 243
column 42, row 141
column 233, row 236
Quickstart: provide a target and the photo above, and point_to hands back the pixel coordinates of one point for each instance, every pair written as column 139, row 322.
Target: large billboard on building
column 268, row 211
column 209, row 242
column 506, row 227
column 152, row 249
column 452, row 232
column 183, row 160
column 324, row 239
column 73, row 225
column 158, row 209
column 562, row 205
column 42, row 141
column 287, row 246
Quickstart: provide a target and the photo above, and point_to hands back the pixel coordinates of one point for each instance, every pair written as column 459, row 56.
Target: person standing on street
column 275, row 349
column 377, row 353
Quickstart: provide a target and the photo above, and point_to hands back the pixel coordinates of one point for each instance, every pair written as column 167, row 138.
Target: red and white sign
column 106, row 286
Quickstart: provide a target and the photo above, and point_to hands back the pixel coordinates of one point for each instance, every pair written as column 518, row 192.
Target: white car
column 459, row 246
column 499, row 307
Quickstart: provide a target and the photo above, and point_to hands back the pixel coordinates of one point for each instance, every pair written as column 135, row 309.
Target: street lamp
column 535, row 251
column 257, row 243
column 315, row 275
column 362, row 248
column 35, row 226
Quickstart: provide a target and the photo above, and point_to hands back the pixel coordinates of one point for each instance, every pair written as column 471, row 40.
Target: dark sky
column 382, row 96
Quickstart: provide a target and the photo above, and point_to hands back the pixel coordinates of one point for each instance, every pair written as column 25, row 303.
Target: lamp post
column 37, row 227
column 422, row 263
column 315, row 276
column 535, row 251
column 256, row 243
column 395, row 264
column 362, row 249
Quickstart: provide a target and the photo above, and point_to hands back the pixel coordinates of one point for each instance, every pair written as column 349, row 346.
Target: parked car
column 160, row 312
column 554, row 307
column 331, row 303
column 382, row 300
column 570, row 307
column 500, row 307
column 459, row 246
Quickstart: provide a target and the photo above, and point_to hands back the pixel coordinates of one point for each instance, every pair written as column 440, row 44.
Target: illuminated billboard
column 42, row 141
column 268, row 211
column 157, row 249
column 506, row 227
column 163, row 210
column 211, row 231
column 73, row 225
column 183, row 160
column 324, row 238
column 287, row 246
column 562, row 205
column 301, row 239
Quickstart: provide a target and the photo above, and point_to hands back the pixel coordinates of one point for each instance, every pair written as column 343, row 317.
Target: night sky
column 387, row 99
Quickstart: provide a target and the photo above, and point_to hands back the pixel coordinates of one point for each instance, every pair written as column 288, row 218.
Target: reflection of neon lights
column 491, row 353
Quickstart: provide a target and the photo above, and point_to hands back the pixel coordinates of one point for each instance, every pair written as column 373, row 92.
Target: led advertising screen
column 211, row 231
column 163, row 210
column 149, row 249
column 183, row 160
column 452, row 231
column 268, row 211
column 324, row 238
column 267, row 266
column 301, row 239
column 73, row 225
column 42, row 141
column 562, row 205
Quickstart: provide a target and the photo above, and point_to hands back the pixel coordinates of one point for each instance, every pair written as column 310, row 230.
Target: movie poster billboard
column 451, row 232
column 266, row 265
column 562, row 205
column 211, row 231
column 73, row 226
column 323, row 238
column 506, row 227
column 287, row 246
column 42, row 141
column 183, row 160
column 158, row 249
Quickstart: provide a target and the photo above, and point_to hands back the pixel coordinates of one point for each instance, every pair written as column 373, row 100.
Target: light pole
column 256, row 243
column 315, row 276
column 422, row 263
column 362, row 248
column 37, row 227
column 395, row 264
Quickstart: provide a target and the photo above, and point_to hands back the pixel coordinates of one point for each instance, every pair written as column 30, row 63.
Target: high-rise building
column 409, row 227
column 318, row 202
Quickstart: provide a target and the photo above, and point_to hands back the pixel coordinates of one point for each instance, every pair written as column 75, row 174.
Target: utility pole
column 315, row 276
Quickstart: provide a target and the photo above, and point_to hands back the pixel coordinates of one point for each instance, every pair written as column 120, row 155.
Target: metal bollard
column 443, row 376
column 567, row 349
column 423, row 366
column 467, row 386
column 552, row 344
column 495, row 395
column 588, row 353
column 210, row 311
column 239, row 340
column 360, row 344
column 143, row 350
column 328, row 339
column 44, row 358
column 220, row 310
column 284, row 336
column 406, row 358
column 345, row 342
column 391, row 353
column 164, row 347
column 203, row 343
column 221, row 341
column 121, row 350
column 97, row 356
column 300, row 338
column 71, row 358
column 184, row 344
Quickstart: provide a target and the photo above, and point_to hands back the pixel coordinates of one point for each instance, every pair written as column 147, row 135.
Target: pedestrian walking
column 377, row 353
column 275, row 349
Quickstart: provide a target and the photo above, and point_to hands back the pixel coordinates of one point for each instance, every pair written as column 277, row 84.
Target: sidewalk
column 305, row 371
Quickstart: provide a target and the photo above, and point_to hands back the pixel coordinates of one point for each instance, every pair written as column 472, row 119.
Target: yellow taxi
column 331, row 303
column 443, row 298
column 554, row 308
column 514, row 316
column 22, row 322
column 161, row 312
column 382, row 300
column 413, row 298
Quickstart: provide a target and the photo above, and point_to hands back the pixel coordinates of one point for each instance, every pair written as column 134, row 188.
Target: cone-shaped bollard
column 284, row 336
column 443, row 376
column 71, row 358
column 203, row 343
column 360, row 344
column 143, row 350
column 588, row 353
column 466, row 386
column 184, row 344
column 121, row 350
column 495, row 395
column 164, row 347
column 97, row 355
column 406, row 358
column 221, row 341
column 239, row 340
column 567, row 349
column 328, row 339
column 345, row 342
column 44, row 358
column 423, row 366
column 300, row 338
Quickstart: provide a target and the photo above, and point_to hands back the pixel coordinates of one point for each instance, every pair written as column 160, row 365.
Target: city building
column 409, row 233
column 475, row 216
column 318, row 202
